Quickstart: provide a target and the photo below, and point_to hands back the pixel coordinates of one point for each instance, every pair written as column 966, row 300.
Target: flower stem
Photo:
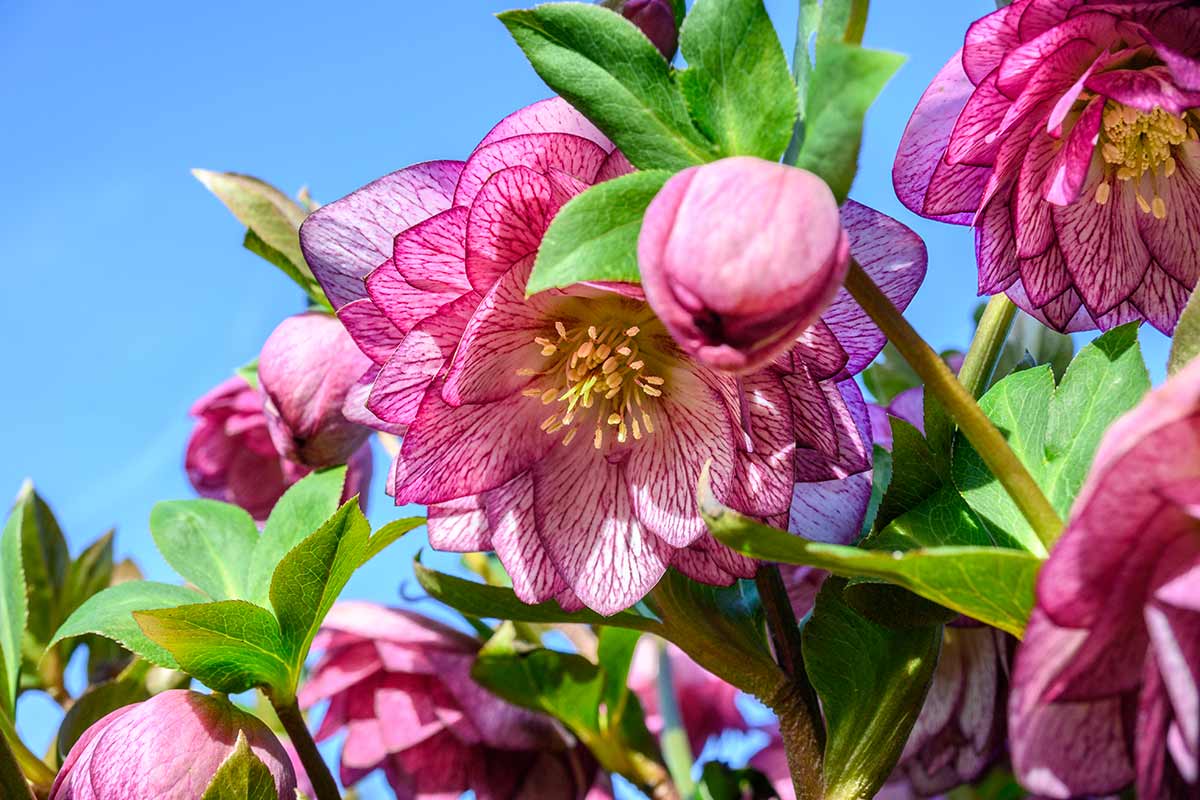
column 36, row 771
column 314, row 765
column 960, row 405
column 677, row 752
column 796, row 702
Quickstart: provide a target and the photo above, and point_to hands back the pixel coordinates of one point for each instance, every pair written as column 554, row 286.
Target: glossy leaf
column 45, row 558
column 872, row 683
column 737, row 83
column 1185, row 344
column 389, row 534
column 594, row 236
column 13, row 609
column 211, row 544
column 110, row 614
column 303, row 509
column 242, row 776
column 605, row 67
column 1031, row 341
column 229, row 646
column 89, row 573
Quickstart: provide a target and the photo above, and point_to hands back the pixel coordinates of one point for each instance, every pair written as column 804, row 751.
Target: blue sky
column 127, row 293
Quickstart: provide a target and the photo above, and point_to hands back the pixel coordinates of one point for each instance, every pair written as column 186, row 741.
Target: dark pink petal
column 374, row 333
column 587, row 523
column 708, row 561
column 614, row 166
column 348, row 238
column 553, row 115
column 540, row 152
column 762, row 482
column 852, row 424
column 459, row 526
column 956, row 191
column 1153, row 722
column 1160, row 299
column 355, row 408
column 517, row 544
column 1045, row 277
column 1037, row 16
column 1175, row 634
column 1069, row 171
column 453, row 452
column 988, row 39
column 336, row 673
column 812, row 418
column 895, row 258
column 432, row 255
column 1184, row 69
column 691, row 429
column 377, row 623
column 974, row 141
column 402, row 303
column 1174, row 242
column 1021, row 64
column 1066, row 104
column 1145, row 89
column 1032, row 222
column 819, row 351
column 927, row 134
column 1104, row 251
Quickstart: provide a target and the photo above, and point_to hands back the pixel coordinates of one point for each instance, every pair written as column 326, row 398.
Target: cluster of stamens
column 1136, row 144
column 597, row 370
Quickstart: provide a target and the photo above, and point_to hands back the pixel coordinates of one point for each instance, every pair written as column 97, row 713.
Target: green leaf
column 99, row 701
column 497, row 602
column 389, row 534
column 1030, row 339
column 110, row 614
column 889, row 376
column 242, row 776
column 13, row 608
column 992, row 585
column 272, row 216
column 89, row 573
column 249, row 373
column 594, row 236
column 615, row 654
column 12, row 782
column 45, row 559
column 1054, row 431
column 303, row 508
column 845, row 82
column 209, row 543
column 254, row 243
column 604, row 66
column 737, row 83
column 916, row 473
column 229, row 646
column 309, row 579
column 719, row 781
column 1185, row 344
column 872, row 683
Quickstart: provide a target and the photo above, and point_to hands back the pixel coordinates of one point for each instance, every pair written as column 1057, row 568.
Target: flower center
column 1136, row 144
column 596, row 371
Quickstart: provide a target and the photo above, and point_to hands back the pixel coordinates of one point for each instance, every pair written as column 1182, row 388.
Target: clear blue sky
column 127, row 293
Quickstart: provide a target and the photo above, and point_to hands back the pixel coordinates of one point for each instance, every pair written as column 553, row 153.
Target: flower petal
column 540, row 152
column 831, row 511
column 762, row 483
column 974, row 141
column 988, row 39
column 1144, row 89
column 459, row 525
column 432, row 254
column 1174, row 241
column 552, row 115
column 1069, row 170
column 517, row 544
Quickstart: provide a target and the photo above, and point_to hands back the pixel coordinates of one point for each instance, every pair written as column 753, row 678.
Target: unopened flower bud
column 739, row 257
column 656, row 18
column 306, row 368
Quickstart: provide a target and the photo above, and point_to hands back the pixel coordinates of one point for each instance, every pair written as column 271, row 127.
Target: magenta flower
column 307, row 367
column 739, row 257
column 1105, row 685
column 168, row 747
column 400, row 686
column 567, row 431
column 230, row 455
column 707, row 704
column 1065, row 132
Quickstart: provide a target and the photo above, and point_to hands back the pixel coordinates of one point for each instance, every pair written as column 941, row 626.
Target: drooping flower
column 707, row 704
column 1065, row 132
column 400, row 686
column 307, row 367
column 566, row 431
column 740, row 257
column 230, row 455
column 1105, row 684
column 168, row 747
column 656, row 18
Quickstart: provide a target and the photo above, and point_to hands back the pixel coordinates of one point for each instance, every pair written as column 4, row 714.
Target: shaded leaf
column 12, row 781
column 209, row 543
column 889, row 376
column 45, row 559
column 1185, row 344
column 242, row 776
column 615, row 654
column 389, row 534
column 271, row 215
column 13, row 609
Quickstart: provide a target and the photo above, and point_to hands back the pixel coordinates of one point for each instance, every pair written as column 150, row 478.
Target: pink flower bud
column 168, row 747
column 739, row 257
column 656, row 18
column 306, row 368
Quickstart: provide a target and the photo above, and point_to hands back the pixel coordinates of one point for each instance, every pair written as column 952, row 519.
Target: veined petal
column 402, row 303
column 1174, row 241
column 432, row 255
column 763, row 478
column 1145, row 89
column 459, row 525
column 541, row 152
column 1160, row 299
column 517, row 544
column 1020, row 64
column 974, row 140
column 1032, row 222
column 819, row 351
column 1068, row 172
column 812, row 419
column 708, row 561
column 552, row 115
column 956, row 191
column 831, row 511
column 988, row 39
column 355, row 408
column 1045, row 277
column 346, row 239
column 852, row 423
column 374, row 333
column 614, row 166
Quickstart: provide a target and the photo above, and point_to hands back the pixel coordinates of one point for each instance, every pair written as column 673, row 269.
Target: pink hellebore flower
column 400, row 685
column 566, row 431
column 1065, row 132
column 168, row 748
column 707, row 704
column 307, row 367
column 1105, row 688
column 230, row 455
column 739, row 257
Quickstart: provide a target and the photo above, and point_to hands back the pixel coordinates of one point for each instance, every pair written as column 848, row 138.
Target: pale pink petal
column 459, row 525
column 1174, row 242
column 553, row 115
column 762, row 482
column 614, row 166
column 812, row 418
column 346, row 239
column 831, row 511
column 517, row 544
column 540, row 152
column 819, row 351
column 374, row 333
column 402, row 303
column 432, row 255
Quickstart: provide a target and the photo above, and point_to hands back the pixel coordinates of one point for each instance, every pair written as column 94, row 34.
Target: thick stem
column 796, row 702
column 316, row 768
column 677, row 752
column 960, row 405
column 36, row 771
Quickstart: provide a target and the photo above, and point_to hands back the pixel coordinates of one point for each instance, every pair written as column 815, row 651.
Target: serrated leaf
column 309, row 579
column 230, row 646
column 872, row 683
column 13, row 609
column 604, row 66
column 242, row 776
column 110, row 614
column 303, row 508
column 45, row 559
column 1185, row 344
column 737, row 83
column 1055, row 431
column 594, row 236
column 209, row 543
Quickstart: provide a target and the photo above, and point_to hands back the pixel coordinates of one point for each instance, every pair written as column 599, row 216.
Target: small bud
column 739, row 257
column 656, row 18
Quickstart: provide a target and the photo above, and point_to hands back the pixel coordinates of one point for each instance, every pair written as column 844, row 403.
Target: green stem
column 857, row 25
column 960, row 405
column 36, row 771
column 677, row 752
column 796, row 703
column 317, row 770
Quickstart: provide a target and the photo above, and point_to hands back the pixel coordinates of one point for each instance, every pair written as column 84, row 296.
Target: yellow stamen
column 1139, row 147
